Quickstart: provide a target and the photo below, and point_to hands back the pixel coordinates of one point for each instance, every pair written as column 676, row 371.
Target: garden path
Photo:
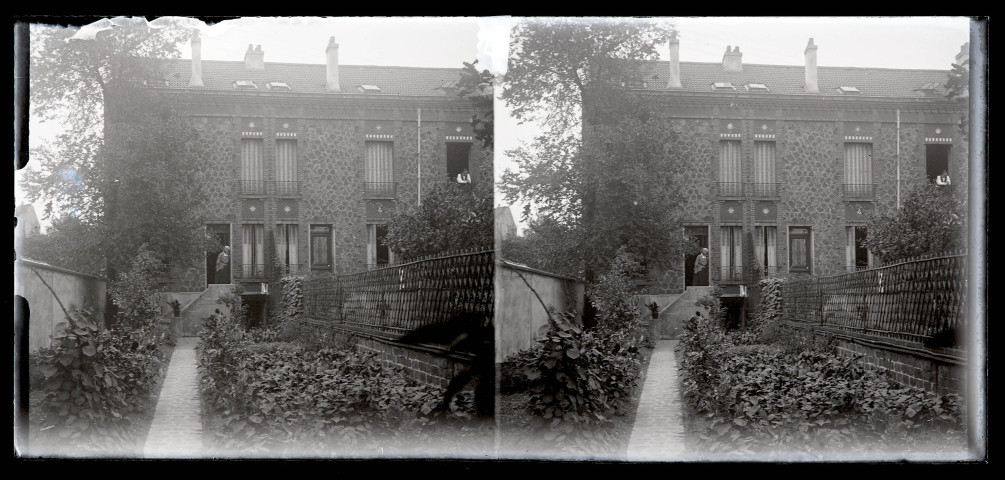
column 176, row 431
column 658, row 432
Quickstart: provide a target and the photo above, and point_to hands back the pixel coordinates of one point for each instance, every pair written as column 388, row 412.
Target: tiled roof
column 307, row 78
column 788, row 80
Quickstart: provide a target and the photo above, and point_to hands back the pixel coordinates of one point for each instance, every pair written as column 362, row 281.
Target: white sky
column 890, row 42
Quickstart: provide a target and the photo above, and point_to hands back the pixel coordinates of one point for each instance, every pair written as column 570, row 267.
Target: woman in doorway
column 701, row 268
column 223, row 266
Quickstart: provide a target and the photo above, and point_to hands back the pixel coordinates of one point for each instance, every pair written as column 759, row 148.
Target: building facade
column 303, row 164
column 787, row 163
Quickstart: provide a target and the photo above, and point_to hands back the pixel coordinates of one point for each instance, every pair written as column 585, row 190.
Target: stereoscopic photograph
column 611, row 240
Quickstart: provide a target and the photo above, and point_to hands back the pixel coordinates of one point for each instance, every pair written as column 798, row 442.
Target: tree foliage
column 932, row 221
column 122, row 169
column 559, row 65
column 452, row 217
column 546, row 244
column 604, row 167
column 477, row 86
column 73, row 75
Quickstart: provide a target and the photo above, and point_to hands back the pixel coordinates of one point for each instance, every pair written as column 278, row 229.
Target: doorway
column 221, row 232
column 700, row 236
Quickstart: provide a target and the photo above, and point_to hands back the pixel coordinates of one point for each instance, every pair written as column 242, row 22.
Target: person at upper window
column 942, row 179
column 464, row 177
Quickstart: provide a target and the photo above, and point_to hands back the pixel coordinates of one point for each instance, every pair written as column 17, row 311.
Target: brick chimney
column 732, row 60
column 811, row 68
column 674, row 63
column 963, row 58
column 254, row 58
column 331, row 70
column 196, row 79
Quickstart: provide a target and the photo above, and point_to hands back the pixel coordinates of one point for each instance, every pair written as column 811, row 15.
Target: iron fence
column 913, row 300
column 397, row 299
column 764, row 189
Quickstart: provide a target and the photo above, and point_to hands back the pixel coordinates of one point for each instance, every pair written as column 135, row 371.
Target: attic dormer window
column 756, row 87
column 245, row 84
column 278, row 86
column 849, row 91
column 930, row 88
column 723, row 86
column 369, row 89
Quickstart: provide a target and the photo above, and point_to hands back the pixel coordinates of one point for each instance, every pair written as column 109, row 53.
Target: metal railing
column 252, row 187
column 396, row 299
column 280, row 271
column 253, row 271
column 376, row 190
column 913, row 300
column 859, row 191
column 731, row 274
column 287, row 188
column 764, row 189
column 730, row 189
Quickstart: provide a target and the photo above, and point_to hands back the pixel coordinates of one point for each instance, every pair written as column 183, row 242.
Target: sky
column 889, row 42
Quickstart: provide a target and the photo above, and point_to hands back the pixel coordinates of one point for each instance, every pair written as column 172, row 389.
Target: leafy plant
column 91, row 381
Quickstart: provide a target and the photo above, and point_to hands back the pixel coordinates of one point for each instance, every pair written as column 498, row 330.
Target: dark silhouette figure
column 464, row 333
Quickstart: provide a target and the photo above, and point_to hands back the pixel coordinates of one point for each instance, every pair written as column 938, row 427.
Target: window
column 849, row 91
column 937, row 161
column 723, row 86
column 457, row 159
column 729, row 169
column 321, row 247
column 857, row 257
column 731, row 252
column 379, row 170
column 286, row 168
column 278, row 86
column 245, row 84
column 287, row 247
column 377, row 254
column 252, row 172
column 757, row 87
column 800, row 250
column 369, row 89
column 252, row 251
column 858, row 170
column 764, row 170
column 765, row 249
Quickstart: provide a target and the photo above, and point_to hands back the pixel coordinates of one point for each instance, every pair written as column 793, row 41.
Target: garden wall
column 519, row 313
column 73, row 289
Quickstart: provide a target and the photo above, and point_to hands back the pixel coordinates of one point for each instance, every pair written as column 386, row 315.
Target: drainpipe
column 898, row 159
column 418, row 156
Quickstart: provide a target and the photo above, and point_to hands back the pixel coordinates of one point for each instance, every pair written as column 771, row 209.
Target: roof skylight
column 245, row 84
column 369, row 89
column 849, row 90
column 278, row 86
column 756, row 87
column 723, row 86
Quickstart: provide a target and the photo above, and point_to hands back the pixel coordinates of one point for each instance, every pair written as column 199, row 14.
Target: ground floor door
column 700, row 236
column 222, row 234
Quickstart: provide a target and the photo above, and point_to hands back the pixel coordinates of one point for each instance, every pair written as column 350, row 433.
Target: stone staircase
column 673, row 315
column 200, row 308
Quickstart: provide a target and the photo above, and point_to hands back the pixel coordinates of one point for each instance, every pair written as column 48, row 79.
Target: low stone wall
column 942, row 371
column 427, row 364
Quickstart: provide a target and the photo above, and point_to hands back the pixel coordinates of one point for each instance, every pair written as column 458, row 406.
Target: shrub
column 90, row 382
column 281, row 397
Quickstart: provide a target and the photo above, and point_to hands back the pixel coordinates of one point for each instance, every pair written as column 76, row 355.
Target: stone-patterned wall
column 332, row 163
column 809, row 156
